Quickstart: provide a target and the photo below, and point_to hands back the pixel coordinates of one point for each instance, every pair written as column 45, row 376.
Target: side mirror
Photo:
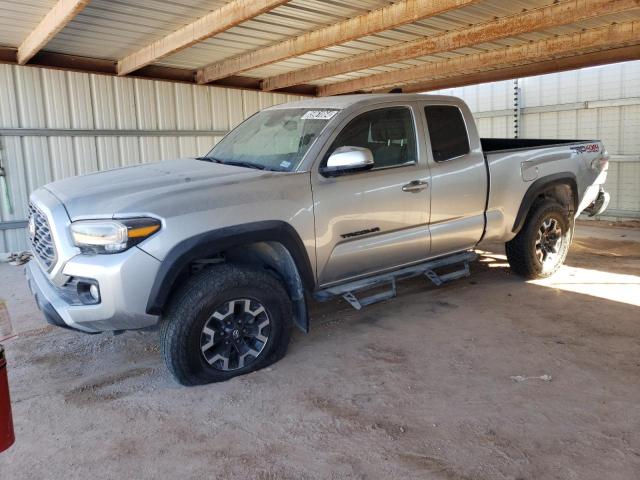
column 346, row 160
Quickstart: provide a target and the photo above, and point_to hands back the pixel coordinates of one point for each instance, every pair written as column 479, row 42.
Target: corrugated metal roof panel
column 17, row 19
column 114, row 28
column 111, row 29
column 518, row 40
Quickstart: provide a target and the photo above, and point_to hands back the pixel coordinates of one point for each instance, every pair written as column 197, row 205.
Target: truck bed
column 492, row 145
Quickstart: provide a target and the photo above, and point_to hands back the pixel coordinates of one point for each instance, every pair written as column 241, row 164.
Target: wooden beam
column 550, row 16
column 623, row 54
column 58, row 17
column 61, row 61
column 8, row 55
column 385, row 18
column 250, row 83
column 211, row 24
column 603, row 38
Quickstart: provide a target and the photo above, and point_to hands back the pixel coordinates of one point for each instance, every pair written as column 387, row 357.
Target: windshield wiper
column 209, row 159
column 235, row 163
column 239, row 163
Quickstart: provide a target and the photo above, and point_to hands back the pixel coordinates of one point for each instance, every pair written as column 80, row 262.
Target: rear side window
column 447, row 132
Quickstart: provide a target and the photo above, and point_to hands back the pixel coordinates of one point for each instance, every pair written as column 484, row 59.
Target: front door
column 374, row 220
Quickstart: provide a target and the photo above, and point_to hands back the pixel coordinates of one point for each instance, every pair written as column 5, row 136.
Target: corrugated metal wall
column 78, row 123
column 592, row 103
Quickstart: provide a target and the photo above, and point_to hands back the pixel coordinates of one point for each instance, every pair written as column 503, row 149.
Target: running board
column 349, row 291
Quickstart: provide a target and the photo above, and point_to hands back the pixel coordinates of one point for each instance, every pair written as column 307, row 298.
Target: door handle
column 415, row 186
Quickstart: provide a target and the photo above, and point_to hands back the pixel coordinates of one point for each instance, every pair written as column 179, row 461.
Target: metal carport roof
column 320, row 46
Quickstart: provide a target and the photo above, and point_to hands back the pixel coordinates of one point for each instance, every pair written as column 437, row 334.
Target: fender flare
column 538, row 187
column 213, row 242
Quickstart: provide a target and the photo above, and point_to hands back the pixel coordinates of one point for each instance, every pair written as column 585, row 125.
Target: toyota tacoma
column 307, row 200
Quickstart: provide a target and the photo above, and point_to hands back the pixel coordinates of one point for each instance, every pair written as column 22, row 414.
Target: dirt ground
column 418, row 387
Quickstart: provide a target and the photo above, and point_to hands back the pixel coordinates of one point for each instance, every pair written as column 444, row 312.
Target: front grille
column 41, row 239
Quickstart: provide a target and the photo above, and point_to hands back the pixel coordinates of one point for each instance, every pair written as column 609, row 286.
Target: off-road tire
column 192, row 306
column 521, row 250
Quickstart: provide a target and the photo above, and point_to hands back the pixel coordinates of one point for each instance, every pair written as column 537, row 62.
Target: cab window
column 447, row 132
column 389, row 134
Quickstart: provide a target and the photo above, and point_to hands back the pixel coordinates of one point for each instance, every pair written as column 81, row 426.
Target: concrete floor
column 417, row 387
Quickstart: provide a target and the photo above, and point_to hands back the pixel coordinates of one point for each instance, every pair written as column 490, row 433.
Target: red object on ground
column 6, row 422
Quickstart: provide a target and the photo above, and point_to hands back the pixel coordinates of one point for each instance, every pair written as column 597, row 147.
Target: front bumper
column 50, row 313
column 125, row 280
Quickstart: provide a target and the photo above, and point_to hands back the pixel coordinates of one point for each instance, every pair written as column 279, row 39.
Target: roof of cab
column 345, row 101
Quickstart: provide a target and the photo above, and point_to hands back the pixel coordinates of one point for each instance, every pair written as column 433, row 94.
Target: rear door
column 373, row 220
column 458, row 178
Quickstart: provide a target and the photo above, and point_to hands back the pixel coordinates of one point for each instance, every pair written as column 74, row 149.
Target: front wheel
column 541, row 246
column 224, row 322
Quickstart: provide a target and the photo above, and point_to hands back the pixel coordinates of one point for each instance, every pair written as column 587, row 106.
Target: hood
column 149, row 188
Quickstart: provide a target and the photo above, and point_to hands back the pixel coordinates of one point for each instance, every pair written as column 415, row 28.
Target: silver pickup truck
column 308, row 200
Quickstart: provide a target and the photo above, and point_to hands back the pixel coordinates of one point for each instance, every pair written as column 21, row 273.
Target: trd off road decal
column 591, row 148
column 360, row 232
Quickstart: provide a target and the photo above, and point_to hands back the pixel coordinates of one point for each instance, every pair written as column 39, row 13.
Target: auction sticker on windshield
column 319, row 115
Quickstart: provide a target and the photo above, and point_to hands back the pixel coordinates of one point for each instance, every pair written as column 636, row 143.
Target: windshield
column 272, row 139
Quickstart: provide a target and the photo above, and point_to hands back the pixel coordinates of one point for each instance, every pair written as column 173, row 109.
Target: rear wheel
column 541, row 246
column 224, row 322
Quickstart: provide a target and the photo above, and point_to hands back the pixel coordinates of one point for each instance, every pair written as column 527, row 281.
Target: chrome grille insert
column 41, row 239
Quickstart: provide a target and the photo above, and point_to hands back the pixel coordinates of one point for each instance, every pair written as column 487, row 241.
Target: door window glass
column 447, row 132
column 387, row 132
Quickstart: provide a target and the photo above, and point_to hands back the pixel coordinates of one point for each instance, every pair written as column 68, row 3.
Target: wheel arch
column 274, row 244
column 553, row 186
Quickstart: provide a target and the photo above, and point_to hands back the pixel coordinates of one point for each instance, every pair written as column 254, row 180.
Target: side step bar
column 349, row 291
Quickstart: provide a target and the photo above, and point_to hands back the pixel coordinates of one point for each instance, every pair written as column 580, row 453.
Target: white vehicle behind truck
column 308, row 200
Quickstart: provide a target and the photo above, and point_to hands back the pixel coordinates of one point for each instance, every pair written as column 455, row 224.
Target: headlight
column 112, row 236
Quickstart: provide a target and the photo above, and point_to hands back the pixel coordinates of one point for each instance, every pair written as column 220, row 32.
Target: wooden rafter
column 58, row 17
column 101, row 66
column 385, row 18
column 211, row 24
column 602, row 38
column 622, row 54
column 550, row 16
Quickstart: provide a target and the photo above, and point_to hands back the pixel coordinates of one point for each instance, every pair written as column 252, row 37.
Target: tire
column 541, row 246
column 211, row 309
